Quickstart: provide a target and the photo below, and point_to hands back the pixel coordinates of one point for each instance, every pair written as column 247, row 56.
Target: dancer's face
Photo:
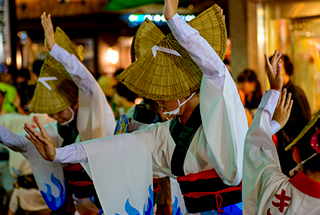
column 62, row 116
column 167, row 106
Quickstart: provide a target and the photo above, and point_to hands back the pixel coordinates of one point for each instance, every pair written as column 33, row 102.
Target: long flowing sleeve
column 200, row 51
column 95, row 116
column 73, row 153
column 78, row 72
column 223, row 116
column 12, row 140
column 261, row 167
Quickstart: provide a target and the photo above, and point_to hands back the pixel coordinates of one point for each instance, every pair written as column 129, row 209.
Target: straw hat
column 55, row 90
column 308, row 131
column 171, row 74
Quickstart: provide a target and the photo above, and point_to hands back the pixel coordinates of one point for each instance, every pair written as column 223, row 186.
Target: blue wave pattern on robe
column 54, row 203
column 147, row 209
column 175, row 207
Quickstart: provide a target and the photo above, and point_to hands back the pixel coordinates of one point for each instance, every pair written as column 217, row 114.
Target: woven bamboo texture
column 168, row 77
column 63, row 91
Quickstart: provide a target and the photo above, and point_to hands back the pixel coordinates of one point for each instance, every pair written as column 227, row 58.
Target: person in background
column 36, row 68
column 266, row 189
column 204, row 141
column 68, row 93
column 299, row 117
column 249, row 84
column 124, row 99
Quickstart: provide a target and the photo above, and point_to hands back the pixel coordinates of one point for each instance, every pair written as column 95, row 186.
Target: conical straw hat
column 164, row 77
column 209, row 23
column 167, row 76
column 304, row 131
column 55, row 90
column 146, row 37
column 211, row 26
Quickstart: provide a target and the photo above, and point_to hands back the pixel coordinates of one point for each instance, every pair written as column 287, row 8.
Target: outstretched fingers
column 41, row 128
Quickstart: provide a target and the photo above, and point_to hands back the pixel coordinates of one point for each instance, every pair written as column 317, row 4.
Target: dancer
column 266, row 190
column 202, row 145
column 67, row 92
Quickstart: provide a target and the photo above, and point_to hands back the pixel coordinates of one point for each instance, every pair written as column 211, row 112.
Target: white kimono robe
column 218, row 143
column 265, row 189
column 94, row 119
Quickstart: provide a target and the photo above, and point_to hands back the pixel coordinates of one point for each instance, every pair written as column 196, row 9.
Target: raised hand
column 274, row 71
column 48, row 30
column 42, row 141
column 170, row 8
column 283, row 109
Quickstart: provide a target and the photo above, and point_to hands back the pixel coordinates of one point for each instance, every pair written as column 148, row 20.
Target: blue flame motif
column 175, row 207
column 147, row 209
column 54, row 203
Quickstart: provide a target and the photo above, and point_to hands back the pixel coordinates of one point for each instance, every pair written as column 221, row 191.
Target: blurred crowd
column 16, row 92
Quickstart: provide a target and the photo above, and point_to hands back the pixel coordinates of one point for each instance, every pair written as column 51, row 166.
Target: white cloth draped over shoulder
column 94, row 119
column 218, row 143
column 265, row 189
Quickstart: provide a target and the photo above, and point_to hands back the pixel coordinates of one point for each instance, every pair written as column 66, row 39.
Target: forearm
column 74, row 153
column 199, row 49
column 259, row 148
column 12, row 140
column 78, row 72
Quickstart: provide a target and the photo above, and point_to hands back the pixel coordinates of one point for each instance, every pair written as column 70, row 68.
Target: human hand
column 42, row 141
column 283, row 109
column 170, row 8
column 274, row 71
column 48, row 30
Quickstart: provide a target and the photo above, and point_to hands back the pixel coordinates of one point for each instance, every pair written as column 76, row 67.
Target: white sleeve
column 79, row 73
column 274, row 127
column 73, row 153
column 200, row 51
column 261, row 167
column 12, row 140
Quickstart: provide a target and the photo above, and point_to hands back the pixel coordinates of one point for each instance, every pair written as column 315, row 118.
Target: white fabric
column 274, row 127
column 262, row 176
column 14, row 122
column 176, row 197
column 163, row 49
column 121, row 170
column 223, row 116
column 27, row 199
column 218, row 143
column 94, row 119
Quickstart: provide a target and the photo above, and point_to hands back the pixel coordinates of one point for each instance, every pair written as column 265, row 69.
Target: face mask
column 72, row 117
column 177, row 110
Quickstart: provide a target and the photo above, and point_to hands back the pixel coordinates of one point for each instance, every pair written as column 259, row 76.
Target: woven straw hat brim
column 64, row 42
column 304, row 131
column 146, row 37
column 168, row 77
column 209, row 23
column 211, row 26
column 165, row 77
column 63, row 91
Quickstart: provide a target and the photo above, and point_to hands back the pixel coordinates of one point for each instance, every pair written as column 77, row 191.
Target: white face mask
column 72, row 117
column 177, row 110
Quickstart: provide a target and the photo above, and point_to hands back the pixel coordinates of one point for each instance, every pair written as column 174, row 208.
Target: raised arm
column 79, row 73
column 261, row 164
column 199, row 49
